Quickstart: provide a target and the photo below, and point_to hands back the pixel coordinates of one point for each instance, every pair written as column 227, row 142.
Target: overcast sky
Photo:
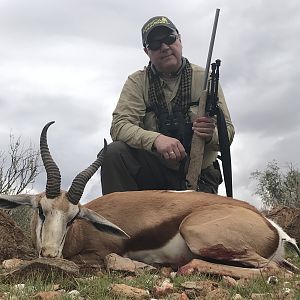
column 67, row 60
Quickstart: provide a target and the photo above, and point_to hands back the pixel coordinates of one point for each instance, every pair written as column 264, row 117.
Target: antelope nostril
column 48, row 253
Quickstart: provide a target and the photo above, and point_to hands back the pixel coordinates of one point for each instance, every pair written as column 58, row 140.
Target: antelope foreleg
column 204, row 267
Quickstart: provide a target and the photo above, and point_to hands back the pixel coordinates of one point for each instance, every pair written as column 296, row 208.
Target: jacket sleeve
column 128, row 116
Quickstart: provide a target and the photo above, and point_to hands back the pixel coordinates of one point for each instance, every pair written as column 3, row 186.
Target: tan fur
column 164, row 227
column 152, row 218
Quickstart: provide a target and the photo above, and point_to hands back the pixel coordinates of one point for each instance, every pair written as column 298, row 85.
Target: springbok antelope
column 155, row 227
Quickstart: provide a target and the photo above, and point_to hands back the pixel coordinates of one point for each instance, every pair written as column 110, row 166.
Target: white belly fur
column 175, row 252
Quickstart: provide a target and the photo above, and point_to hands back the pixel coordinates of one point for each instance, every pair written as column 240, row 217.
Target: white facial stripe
column 51, row 232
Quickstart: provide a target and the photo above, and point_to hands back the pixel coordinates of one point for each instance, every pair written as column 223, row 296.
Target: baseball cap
column 154, row 23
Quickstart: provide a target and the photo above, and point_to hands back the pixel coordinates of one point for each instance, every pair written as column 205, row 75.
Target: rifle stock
column 197, row 148
column 198, row 144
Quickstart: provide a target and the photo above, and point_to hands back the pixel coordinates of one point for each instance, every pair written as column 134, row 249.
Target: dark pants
column 128, row 169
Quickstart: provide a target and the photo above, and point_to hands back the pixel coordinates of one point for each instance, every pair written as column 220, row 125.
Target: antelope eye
column 41, row 213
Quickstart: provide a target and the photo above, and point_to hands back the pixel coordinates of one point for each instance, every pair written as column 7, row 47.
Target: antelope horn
column 53, row 174
column 75, row 191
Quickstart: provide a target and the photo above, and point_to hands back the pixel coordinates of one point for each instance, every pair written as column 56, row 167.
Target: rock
column 19, row 286
column 287, row 284
column 237, row 297
column 287, row 293
column 164, row 289
column 44, row 264
column 199, row 288
column 118, row 263
column 123, row 290
column 272, row 280
column 166, row 271
column 230, row 282
column 11, row 263
column 74, row 294
column 178, row 296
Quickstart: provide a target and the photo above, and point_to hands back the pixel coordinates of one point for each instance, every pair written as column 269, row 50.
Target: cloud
column 68, row 60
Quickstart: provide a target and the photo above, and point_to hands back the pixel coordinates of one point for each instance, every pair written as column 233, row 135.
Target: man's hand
column 169, row 148
column 204, row 127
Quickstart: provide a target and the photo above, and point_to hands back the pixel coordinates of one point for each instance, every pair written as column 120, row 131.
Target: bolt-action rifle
column 208, row 105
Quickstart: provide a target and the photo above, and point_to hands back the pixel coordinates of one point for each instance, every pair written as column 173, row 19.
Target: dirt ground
column 13, row 243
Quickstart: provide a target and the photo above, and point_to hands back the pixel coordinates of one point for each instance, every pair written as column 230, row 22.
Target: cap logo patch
column 155, row 22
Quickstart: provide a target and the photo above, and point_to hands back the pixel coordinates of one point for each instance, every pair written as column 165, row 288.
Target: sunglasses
column 168, row 40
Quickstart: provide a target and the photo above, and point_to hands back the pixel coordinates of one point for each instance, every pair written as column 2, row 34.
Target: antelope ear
column 101, row 223
column 12, row 201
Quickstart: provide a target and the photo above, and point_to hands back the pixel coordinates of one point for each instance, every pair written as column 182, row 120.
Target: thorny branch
column 18, row 167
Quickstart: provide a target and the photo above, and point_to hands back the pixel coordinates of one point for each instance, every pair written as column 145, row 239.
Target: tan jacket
column 132, row 125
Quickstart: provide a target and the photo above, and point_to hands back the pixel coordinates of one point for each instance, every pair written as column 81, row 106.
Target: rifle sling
column 225, row 152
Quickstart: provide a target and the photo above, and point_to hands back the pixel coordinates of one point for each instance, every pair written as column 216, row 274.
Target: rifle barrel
column 211, row 46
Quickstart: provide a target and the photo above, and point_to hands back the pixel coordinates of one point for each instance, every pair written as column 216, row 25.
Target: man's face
column 167, row 58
